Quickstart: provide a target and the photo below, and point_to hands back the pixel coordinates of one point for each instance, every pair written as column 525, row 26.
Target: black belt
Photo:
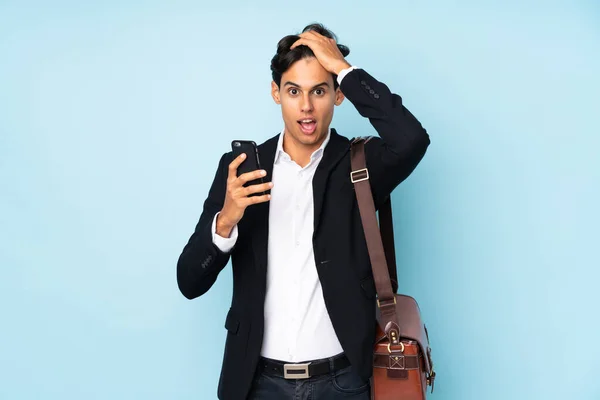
column 303, row 370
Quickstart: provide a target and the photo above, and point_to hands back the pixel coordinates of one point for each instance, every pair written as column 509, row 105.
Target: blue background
column 113, row 117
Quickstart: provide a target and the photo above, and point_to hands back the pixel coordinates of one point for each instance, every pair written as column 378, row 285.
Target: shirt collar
column 317, row 153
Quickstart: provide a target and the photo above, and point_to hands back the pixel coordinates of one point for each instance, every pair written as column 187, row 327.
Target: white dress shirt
column 297, row 324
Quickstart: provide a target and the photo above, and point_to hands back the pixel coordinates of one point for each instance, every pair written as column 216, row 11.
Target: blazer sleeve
column 393, row 156
column 201, row 260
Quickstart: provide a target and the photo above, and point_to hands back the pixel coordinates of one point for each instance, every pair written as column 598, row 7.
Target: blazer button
column 376, row 95
column 371, row 91
column 363, row 82
column 367, row 87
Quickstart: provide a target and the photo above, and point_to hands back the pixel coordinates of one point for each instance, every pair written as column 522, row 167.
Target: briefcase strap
column 386, row 227
column 386, row 299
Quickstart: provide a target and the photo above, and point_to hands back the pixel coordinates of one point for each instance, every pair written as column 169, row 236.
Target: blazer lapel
column 334, row 151
column 260, row 234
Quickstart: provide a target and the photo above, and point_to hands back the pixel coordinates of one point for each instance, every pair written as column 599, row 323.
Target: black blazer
column 340, row 249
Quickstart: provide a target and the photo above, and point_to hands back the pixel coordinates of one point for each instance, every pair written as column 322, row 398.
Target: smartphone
column 251, row 163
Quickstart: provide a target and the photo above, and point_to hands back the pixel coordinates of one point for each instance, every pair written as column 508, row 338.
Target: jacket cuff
column 223, row 244
column 345, row 72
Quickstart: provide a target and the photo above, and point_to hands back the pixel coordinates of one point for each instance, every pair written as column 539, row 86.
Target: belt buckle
column 296, row 371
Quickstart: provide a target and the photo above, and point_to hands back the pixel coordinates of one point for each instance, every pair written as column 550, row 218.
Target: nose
column 306, row 103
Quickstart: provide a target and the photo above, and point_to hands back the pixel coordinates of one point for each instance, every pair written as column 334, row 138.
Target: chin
column 312, row 138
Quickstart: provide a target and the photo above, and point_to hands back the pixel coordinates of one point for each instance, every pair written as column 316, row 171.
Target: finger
column 316, row 36
column 257, row 199
column 252, row 175
column 263, row 187
column 233, row 166
column 311, row 33
column 303, row 41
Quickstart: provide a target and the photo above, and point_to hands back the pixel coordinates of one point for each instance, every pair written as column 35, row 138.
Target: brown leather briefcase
column 402, row 365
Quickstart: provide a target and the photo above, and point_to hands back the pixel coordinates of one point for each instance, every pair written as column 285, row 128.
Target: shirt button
column 297, row 243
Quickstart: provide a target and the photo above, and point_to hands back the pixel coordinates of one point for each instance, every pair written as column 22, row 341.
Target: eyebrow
column 295, row 84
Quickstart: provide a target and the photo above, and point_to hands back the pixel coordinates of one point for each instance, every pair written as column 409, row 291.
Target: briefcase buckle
column 359, row 175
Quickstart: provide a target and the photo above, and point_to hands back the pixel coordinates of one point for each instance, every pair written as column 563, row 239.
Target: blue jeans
column 341, row 384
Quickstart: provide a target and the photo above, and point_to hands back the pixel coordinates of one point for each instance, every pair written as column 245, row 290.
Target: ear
column 275, row 92
column 339, row 96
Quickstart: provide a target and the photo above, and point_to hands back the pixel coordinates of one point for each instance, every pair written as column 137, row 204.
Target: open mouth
column 308, row 125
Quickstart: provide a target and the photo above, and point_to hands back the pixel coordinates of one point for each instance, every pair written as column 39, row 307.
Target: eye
column 319, row 92
column 293, row 91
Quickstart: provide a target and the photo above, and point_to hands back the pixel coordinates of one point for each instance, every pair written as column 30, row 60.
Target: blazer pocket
column 368, row 286
column 232, row 324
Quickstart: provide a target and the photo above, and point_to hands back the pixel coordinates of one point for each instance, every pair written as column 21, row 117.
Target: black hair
column 284, row 58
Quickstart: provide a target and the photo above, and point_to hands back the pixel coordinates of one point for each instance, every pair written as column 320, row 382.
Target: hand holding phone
column 245, row 186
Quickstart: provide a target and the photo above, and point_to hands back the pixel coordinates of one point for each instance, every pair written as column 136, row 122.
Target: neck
column 298, row 152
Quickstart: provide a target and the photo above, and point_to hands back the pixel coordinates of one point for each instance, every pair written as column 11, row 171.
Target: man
column 302, row 317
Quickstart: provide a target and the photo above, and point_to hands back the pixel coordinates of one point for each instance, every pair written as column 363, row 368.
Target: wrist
column 223, row 226
column 341, row 66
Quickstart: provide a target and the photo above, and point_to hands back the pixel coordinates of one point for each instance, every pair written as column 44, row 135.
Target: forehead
column 307, row 73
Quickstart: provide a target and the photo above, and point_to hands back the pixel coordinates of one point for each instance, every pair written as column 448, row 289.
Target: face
column 307, row 99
